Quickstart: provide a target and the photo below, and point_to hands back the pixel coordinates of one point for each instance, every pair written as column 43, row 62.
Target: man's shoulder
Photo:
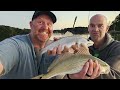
column 114, row 46
column 20, row 38
column 115, row 42
column 15, row 40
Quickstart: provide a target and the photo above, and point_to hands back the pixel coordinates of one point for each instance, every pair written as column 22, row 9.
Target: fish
column 66, row 41
column 71, row 63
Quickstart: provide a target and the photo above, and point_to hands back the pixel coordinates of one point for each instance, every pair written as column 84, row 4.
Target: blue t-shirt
column 18, row 57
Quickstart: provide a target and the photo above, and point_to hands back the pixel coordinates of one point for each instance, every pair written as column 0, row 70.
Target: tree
column 115, row 26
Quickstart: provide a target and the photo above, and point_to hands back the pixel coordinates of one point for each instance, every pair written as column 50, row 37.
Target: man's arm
column 9, row 55
column 114, row 73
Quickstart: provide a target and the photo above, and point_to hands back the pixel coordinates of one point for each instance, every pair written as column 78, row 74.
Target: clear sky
column 65, row 19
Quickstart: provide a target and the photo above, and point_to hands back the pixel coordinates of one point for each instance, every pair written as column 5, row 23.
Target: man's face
column 41, row 28
column 97, row 28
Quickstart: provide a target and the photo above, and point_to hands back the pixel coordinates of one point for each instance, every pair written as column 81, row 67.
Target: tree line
column 7, row 31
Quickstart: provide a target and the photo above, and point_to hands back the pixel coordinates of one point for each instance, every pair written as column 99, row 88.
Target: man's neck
column 37, row 44
column 98, row 44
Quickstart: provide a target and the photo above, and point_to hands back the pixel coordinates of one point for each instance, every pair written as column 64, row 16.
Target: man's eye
column 92, row 25
column 40, row 22
column 100, row 25
column 49, row 24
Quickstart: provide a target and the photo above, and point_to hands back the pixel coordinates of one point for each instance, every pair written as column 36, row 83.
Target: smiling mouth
column 44, row 33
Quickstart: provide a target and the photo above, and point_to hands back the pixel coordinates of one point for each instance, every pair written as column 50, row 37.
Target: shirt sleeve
column 8, row 54
column 114, row 73
column 114, row 61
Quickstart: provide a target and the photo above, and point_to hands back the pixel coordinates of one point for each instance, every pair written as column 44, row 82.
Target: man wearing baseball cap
column 20, row 56
column 49, row 13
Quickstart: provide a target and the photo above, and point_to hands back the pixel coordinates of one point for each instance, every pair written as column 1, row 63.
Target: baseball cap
column 49, row 13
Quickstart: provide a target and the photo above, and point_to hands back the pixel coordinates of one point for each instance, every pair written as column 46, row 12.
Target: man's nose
column 45, row 26
column 96, row 28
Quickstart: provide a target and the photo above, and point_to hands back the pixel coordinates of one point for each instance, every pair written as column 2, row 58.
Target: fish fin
column 38, row 77
column 83, row 49
column 59, row 59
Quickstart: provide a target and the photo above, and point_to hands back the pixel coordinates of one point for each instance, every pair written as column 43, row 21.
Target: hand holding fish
column 79, row 65
column 75, row 64
column 73, row 49
column 90, row 70
column 56, row 50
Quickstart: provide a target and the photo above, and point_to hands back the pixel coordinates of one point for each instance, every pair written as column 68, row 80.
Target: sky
column 65, row 19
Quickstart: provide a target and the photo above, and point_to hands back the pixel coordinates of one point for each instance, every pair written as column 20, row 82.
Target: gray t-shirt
column 18, row 58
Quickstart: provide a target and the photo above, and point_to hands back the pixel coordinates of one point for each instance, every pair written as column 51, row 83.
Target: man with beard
column 19, row 54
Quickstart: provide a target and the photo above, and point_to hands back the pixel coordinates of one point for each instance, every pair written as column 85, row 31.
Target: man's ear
column 107, row 28
column 30, row 23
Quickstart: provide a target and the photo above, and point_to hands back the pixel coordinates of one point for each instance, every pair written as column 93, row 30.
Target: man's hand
column 90, row 70
column 55, row 51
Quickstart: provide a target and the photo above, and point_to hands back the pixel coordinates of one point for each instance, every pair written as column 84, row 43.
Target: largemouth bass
column 70, row 63
column 66, row 41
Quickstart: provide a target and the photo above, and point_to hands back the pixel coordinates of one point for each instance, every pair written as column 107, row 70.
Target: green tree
column 115, row 26
column 7, row 31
